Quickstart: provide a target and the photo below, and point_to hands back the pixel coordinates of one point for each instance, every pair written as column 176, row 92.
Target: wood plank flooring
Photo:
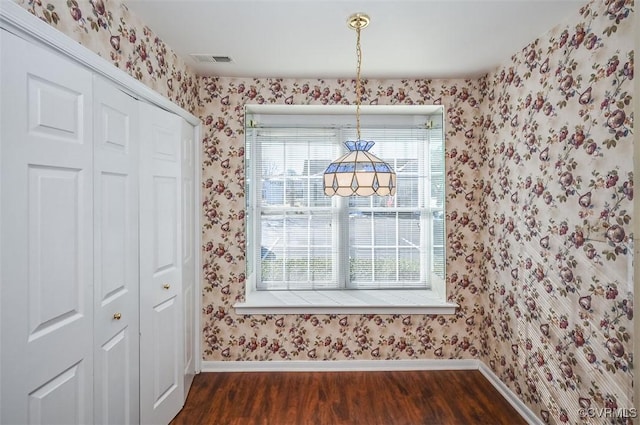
column 461, row 397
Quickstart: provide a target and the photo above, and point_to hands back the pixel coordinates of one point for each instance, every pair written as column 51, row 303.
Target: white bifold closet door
column 97, row 216
column 161, row 317
column 47, row 237
column 116, row 274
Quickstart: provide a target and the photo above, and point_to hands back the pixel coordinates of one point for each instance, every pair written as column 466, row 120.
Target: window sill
column 408, row 301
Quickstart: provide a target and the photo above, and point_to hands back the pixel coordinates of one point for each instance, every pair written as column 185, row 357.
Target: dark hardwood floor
column 461, row 397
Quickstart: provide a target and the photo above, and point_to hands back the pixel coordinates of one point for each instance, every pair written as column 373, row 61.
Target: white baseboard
column 337, row 365
column 509, row 395
column 373, row 365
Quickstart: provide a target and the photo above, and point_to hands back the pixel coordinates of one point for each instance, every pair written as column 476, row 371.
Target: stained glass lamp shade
column 359, row 172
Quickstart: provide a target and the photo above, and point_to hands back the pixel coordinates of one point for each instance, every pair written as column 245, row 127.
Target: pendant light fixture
column 359, row 172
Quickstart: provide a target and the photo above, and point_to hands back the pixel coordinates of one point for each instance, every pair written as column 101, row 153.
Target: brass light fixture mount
column 359, row 172
column 358, row 21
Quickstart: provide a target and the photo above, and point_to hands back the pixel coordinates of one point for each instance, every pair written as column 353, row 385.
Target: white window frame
column 345, row 301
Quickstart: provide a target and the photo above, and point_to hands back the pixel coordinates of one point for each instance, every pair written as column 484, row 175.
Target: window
column 301, row 243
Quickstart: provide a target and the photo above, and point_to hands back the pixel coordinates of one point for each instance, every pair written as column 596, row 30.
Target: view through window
column 298, row 238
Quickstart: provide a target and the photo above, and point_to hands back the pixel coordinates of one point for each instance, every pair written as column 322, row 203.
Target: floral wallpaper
column 109, row 29
column 227, row 336
column 539, row 208
column 557, row 212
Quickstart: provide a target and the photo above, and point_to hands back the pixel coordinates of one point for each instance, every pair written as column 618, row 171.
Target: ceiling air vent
column 210, row 58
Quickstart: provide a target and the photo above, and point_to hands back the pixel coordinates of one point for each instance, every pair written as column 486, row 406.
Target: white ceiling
column 311, row 39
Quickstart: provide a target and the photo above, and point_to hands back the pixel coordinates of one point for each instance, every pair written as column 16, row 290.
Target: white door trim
column 197, row 222
column 20, row 22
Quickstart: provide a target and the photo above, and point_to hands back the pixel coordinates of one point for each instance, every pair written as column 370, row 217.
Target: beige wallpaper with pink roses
column 539, row 201
column 228, row 336
column 539, row 208
column 558, row 168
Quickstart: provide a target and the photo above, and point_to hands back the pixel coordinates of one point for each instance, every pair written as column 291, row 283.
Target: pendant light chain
column 359, row 172
column 358, row 84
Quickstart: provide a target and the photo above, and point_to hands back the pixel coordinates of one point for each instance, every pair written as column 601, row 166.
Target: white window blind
column 298, row 238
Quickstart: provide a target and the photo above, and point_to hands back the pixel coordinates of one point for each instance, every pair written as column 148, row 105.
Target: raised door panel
column 165, row 242
column 114, row 234
column 61, row 399
column 54, row 110
column 161, row 317
column 166, row 340
column 55, row 292
column 116, row 295
column 116, row 400
column 47, row 245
